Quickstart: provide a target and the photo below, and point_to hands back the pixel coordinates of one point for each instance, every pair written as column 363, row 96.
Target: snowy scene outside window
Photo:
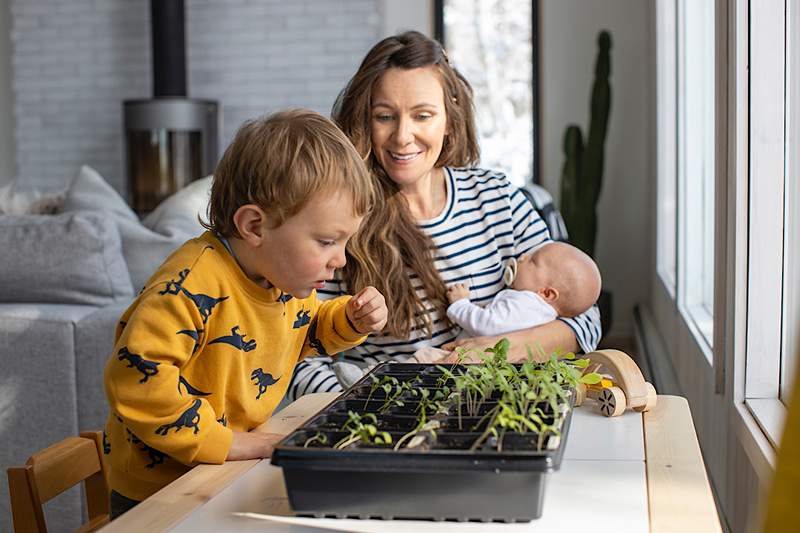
column 489, row 42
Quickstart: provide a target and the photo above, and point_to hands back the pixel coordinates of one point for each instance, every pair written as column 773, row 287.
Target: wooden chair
column 55, row 469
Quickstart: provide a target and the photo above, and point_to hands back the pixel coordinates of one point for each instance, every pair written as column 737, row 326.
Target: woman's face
column 408, row 123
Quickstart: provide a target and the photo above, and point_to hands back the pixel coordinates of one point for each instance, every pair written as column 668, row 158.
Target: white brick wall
column 73, row 63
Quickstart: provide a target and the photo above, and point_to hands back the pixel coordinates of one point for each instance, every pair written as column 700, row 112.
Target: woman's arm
column 555, row 336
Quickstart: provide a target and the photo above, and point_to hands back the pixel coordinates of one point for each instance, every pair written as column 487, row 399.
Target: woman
column 441, row 221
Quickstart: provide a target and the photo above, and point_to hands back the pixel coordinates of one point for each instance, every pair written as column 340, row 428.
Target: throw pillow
column 28, row 202
column 145, row 244
column 67, row 259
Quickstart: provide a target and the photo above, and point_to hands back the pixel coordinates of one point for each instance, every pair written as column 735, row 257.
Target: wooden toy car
column 622, row 386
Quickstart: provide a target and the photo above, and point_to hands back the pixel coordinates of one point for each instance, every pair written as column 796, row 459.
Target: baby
column 557, row 280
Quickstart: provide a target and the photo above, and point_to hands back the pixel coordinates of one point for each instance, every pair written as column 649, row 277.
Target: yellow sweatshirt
column 204, row 351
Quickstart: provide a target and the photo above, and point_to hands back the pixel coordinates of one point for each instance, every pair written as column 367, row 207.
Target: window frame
column 693, row 196
column 439, row 34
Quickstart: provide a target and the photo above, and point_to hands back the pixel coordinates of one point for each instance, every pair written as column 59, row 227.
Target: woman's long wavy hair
column 390, row 245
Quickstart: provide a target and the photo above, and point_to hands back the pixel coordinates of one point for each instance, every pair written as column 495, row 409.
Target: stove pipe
column 169, row 48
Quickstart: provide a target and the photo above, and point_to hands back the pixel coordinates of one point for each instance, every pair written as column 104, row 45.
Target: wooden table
column 626, row 474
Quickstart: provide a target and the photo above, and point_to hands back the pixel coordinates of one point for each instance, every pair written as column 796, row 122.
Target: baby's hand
column 367, row 311
column 457, row 291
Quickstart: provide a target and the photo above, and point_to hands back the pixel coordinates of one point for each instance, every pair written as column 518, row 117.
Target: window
column 790, row 349
column 491, row 43
column 666, row 101
column 774, row 199
column 696, row 162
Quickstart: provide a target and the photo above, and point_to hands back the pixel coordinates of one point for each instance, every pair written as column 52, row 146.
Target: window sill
column 753, row 437
column 770, row 415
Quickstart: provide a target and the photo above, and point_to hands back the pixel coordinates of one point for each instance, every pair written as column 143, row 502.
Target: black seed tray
column 443, row 479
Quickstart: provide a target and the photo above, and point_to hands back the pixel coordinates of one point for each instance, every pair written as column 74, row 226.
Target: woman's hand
column 367, row 311
column 554, row 336
column 474, row 348
column 254, row 445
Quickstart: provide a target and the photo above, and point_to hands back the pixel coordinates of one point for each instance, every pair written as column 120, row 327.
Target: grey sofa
column 64, row 282
column 64, row 285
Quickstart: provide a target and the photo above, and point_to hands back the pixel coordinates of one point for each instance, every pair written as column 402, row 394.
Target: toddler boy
column 206, row 351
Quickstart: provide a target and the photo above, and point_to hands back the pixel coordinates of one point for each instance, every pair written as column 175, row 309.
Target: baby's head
column 562, row 275
column 288, row 193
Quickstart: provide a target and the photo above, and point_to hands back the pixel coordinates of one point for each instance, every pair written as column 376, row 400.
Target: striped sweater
column 486, row 221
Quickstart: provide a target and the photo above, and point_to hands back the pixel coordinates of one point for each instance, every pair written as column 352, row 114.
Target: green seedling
column 362, row 428
column 318, row 437
column 531, row 397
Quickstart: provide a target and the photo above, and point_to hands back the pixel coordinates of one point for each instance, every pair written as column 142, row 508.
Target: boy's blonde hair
column 278, row 162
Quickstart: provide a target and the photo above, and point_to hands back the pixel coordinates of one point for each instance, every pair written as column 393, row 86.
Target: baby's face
column 534, row 273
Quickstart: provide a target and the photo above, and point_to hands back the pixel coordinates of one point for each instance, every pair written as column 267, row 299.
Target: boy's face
column 533, row 272
column 300, row 254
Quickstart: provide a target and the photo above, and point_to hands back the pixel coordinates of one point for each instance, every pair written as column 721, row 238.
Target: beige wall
column 407, row 15
column 567, row 51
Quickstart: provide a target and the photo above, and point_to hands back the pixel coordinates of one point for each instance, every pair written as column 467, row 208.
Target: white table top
column 601, row 487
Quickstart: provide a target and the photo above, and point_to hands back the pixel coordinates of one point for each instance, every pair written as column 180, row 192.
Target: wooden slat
column 63, row 465
column 679, row 494
column 25, row 506
column 96, row 485
column 173, row 503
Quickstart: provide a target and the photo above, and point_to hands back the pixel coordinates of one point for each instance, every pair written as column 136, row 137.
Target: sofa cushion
column 145, row 244
column 94, row 344
column 72, row 258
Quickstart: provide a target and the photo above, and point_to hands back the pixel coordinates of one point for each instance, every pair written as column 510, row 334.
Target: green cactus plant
column 582, row 173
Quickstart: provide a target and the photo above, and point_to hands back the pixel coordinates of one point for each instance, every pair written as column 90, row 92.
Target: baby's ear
column 548, row 294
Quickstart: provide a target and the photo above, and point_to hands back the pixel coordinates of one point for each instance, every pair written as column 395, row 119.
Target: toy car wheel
column 652, row 398
column 580, row 394
column 612, row 401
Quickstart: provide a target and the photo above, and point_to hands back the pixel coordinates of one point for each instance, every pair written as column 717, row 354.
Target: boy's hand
column 367, row 311
column 252, row 445
column 457, row 291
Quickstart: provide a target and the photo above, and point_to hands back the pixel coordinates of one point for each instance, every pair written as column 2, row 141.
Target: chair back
column 50, row 472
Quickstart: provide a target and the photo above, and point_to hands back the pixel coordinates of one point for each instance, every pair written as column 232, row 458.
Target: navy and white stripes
column 485, row 222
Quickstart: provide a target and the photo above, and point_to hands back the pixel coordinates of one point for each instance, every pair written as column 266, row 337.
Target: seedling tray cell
column 440, row 465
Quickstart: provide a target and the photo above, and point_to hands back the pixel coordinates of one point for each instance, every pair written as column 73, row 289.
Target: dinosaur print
column 106, row 444
column 283, row 298
column 190, row 418
column 223, row 420
column 313, row 340
column 203, row 302
column 303, row 318
column 156, row 456
column 236, row 340
column 148, row 368
column 263, row 380
column 174, row 287
column 189, row 388
column 194, row 334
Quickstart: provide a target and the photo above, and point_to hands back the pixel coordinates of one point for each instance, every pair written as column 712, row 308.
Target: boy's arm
column 144, row 387
column 331, row 331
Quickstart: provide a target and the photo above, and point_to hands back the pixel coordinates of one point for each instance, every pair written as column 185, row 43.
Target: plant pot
column 446, row 477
